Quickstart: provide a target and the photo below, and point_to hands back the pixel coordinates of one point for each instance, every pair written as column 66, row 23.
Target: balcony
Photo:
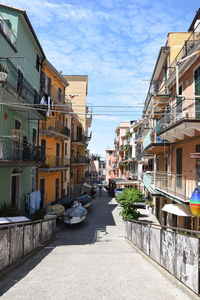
column 6, row 31
column 148, row 181
column 80, row 160
column 189, row 47
column 88, row 120
column 53, row 127
column 88, row 137
column 78, row 140
column 152, row 146
column 174, row 186
column 54, row 162
column 17, row 88
column 14, row 151
column 182, row 120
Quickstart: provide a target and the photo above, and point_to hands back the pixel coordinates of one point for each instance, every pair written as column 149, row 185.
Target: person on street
column 100, row 190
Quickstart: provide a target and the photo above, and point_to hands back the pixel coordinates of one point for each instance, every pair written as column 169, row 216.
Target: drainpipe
column 177, row 70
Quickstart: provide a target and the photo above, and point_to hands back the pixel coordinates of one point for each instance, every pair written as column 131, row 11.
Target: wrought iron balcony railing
column 175, row 185
column 55, row 162
column 80, row 139
column 80, row 160
column 14, row 150
column 18, row 82
column 54, row 125
column 187, row 109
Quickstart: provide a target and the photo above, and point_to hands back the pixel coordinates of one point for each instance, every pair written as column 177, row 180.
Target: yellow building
column 54, row 137
column 76, row 92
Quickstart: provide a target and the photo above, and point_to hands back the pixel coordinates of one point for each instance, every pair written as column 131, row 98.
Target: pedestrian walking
column 100, row 190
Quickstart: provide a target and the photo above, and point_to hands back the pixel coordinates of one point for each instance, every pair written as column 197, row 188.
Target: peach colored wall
column 54, row 80
column 188, row 146
column 112, row 158
column 50, row 179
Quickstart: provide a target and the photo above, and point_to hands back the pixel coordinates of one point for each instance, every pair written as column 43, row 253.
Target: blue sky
column 114, row 42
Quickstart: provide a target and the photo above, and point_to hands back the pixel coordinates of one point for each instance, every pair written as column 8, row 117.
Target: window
column 43, row 148
column 57, row 189
column 34, row 136
column 109, row 162
column 37, row 65
column 17, row 124
column 59, row 94
column 20, row 78
column 179, row 167
column 65, row 150
column 36, row 97
column 42, row 191
column 46, row 83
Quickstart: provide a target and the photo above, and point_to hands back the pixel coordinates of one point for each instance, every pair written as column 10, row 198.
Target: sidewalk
column 91, row 261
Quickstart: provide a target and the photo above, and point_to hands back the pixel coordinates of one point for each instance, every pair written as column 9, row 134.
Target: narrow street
column 91, row 261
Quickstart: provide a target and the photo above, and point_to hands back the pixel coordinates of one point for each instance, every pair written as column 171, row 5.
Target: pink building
column 111, row 164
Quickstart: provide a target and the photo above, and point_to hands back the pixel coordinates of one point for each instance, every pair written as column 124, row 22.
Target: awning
column 178, row 209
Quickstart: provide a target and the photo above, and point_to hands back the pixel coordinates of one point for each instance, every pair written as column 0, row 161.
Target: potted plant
column 3, row 73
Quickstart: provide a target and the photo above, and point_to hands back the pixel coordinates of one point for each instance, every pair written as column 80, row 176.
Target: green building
column 21, row 57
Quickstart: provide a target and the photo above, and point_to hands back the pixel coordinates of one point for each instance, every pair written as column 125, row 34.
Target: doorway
column 15, row 188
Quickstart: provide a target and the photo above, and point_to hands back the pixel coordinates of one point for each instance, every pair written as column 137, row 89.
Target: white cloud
column 115, row 42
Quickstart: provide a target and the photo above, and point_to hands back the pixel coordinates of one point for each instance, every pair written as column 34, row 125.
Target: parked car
column 118, row 191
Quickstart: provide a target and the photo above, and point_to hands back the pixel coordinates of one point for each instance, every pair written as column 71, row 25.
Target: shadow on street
column 99, row 216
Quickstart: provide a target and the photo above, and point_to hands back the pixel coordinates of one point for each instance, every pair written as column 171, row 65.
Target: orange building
column 54, row 137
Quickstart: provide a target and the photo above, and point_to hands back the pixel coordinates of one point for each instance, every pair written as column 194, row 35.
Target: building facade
column 54, row 137
column 171, row 114
column 20, row 72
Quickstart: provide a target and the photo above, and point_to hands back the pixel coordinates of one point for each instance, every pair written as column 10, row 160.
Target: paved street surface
column 91, row 261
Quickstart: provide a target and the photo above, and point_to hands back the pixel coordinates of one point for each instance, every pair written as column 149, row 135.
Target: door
column 42, row 191
column 57, row 183
column 57, row 154
column 197, row 92
column 15, row 181
column 179, row 107
column 43, row 149
column 179, row 162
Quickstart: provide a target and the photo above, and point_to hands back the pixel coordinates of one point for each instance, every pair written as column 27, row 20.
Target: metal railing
column 13, row 149
column 176, row 185
column 80, row 160
column 187, row 48
column 55, row 162
column 80, row 139
column 6, row 31
column 18, row 82
column 187, row 109
column 54, row 125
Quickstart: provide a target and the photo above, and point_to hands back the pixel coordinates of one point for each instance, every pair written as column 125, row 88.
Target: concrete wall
column 18, row 240
column 176, row 251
